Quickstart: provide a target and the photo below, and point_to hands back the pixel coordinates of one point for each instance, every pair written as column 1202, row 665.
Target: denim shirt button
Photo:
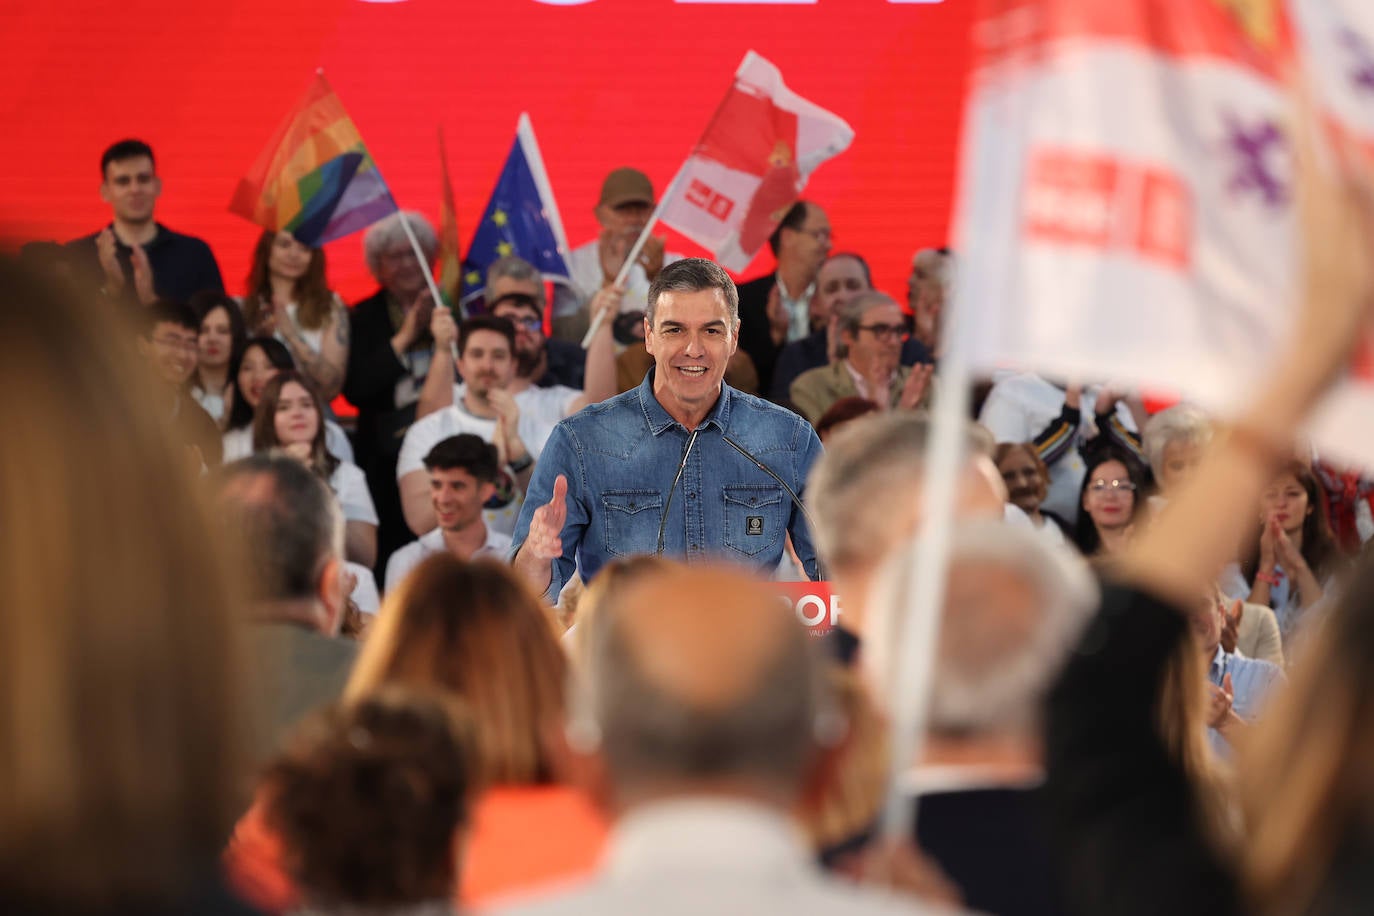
column 691, row 496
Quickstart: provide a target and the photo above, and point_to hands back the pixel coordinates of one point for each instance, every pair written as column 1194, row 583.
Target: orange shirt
column 521, row 837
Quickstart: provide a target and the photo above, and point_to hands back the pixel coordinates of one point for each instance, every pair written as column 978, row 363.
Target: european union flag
column 521, row 218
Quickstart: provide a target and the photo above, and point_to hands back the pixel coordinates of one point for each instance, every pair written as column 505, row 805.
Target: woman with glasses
column 868, row 364
column 1107, row 503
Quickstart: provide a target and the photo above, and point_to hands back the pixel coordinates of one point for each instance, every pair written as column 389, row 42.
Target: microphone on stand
column 796, row 501
column 668, row 504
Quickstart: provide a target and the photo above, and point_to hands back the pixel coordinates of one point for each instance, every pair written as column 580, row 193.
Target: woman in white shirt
column 290, row 416
column 289, row 298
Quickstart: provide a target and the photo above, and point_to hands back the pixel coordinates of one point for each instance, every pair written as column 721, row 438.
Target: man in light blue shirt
column 683, row 465
column 1239, row 686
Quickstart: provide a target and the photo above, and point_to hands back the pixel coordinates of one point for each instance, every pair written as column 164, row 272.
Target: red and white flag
column 751, row 164
column 1126, row 201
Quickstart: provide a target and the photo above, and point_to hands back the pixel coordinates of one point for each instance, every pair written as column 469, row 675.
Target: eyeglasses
column 177, row 343
column 529, row 324
column 1102, row 486
column 885, row 331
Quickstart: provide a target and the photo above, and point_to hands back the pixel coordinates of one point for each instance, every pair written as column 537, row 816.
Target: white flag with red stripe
column 751, row 164
column 1126, row 204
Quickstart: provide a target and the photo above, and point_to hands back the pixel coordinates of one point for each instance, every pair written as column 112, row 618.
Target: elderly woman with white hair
column 1173, row 442
column 388, row 360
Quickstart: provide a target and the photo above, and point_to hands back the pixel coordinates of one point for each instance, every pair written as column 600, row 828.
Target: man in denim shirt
column 653, row 469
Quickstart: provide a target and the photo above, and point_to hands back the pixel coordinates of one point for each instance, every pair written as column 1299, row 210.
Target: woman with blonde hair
column 289, row 298
column 476, row 632
column 122, row 718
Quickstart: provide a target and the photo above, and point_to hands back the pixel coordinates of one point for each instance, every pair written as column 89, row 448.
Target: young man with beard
column 463, row 471
column 494, row 402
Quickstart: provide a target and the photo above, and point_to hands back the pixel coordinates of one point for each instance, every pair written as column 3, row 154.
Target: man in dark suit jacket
column 775, row 310
column 291, row 533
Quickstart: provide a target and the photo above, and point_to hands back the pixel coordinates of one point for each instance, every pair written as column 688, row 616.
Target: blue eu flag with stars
column 521, row 219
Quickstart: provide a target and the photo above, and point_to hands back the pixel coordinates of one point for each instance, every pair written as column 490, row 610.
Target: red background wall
column 606, row 82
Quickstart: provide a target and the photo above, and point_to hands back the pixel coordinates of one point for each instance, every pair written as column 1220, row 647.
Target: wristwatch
column 521, row 464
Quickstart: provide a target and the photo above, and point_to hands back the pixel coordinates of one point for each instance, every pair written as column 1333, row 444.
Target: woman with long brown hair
column 287, row 296
column 290, row 416
column 123, row 721
column 475, row 631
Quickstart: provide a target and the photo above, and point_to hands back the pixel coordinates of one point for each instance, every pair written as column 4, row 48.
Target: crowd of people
column 505, row 636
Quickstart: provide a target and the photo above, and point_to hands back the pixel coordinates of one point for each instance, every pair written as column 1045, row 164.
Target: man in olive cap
column 623, row 210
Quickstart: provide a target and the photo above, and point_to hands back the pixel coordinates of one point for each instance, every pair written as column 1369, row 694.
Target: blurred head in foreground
column 121, row 716
column 371, row 800
column 701, row 682
column 475, row 631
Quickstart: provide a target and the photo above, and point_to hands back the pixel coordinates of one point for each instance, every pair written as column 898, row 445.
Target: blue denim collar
column 659, row 420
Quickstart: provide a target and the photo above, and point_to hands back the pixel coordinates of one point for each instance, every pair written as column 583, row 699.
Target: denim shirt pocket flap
column 631, row 521
column 755, row 518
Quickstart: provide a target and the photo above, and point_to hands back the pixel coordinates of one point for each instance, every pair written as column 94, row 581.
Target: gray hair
column 851, row 314
column 1180, row 423
column 513, row 267
column 852, row 485
column 768, row 736
column 692, row 275
column 289, row 523
column 388, row 233
column 984, row 685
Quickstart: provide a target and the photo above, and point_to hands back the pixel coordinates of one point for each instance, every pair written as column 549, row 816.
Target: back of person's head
column 121, row 715
column 698, row 680
column 125, row 149
column 1014, row 607
column 614, row 576
column 369, row 799
column 475, row 630
column 1306, row 775
column 870, row 472
column 694, row 275
column 841, row 412
column 466, row 452
column 288, row 529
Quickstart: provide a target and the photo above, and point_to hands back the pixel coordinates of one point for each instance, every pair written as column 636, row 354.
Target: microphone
column 796, row 501
column 668, row 504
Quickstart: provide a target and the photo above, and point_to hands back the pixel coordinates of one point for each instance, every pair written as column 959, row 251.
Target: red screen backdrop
column 606, row 83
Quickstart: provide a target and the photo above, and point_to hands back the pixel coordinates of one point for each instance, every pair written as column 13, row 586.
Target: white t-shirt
column 211, row 402
column 408, row 557
column 364, row 594
column 238, row 443
column 540, row 411
column 429, row 431
column 350, row 486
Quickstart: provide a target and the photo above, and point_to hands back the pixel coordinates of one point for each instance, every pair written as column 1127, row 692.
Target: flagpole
column 630, row 258
column 425, row 269
column 929, row 562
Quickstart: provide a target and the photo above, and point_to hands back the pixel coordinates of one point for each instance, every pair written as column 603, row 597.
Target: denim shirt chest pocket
column 630, row 519
column 755, row 517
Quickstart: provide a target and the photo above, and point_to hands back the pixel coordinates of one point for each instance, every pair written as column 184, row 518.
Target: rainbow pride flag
column 450, row 258
column 315, row 178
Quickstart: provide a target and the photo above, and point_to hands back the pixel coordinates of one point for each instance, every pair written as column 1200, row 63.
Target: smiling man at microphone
column 683, row 465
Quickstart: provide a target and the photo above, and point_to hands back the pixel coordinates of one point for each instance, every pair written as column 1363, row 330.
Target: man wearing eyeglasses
column 515, row 291
column 169, row 344
column 775, row 310
column 872, row 331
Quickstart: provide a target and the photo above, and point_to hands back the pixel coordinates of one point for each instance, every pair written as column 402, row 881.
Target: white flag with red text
column 751, row 164
column 1126, row 208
